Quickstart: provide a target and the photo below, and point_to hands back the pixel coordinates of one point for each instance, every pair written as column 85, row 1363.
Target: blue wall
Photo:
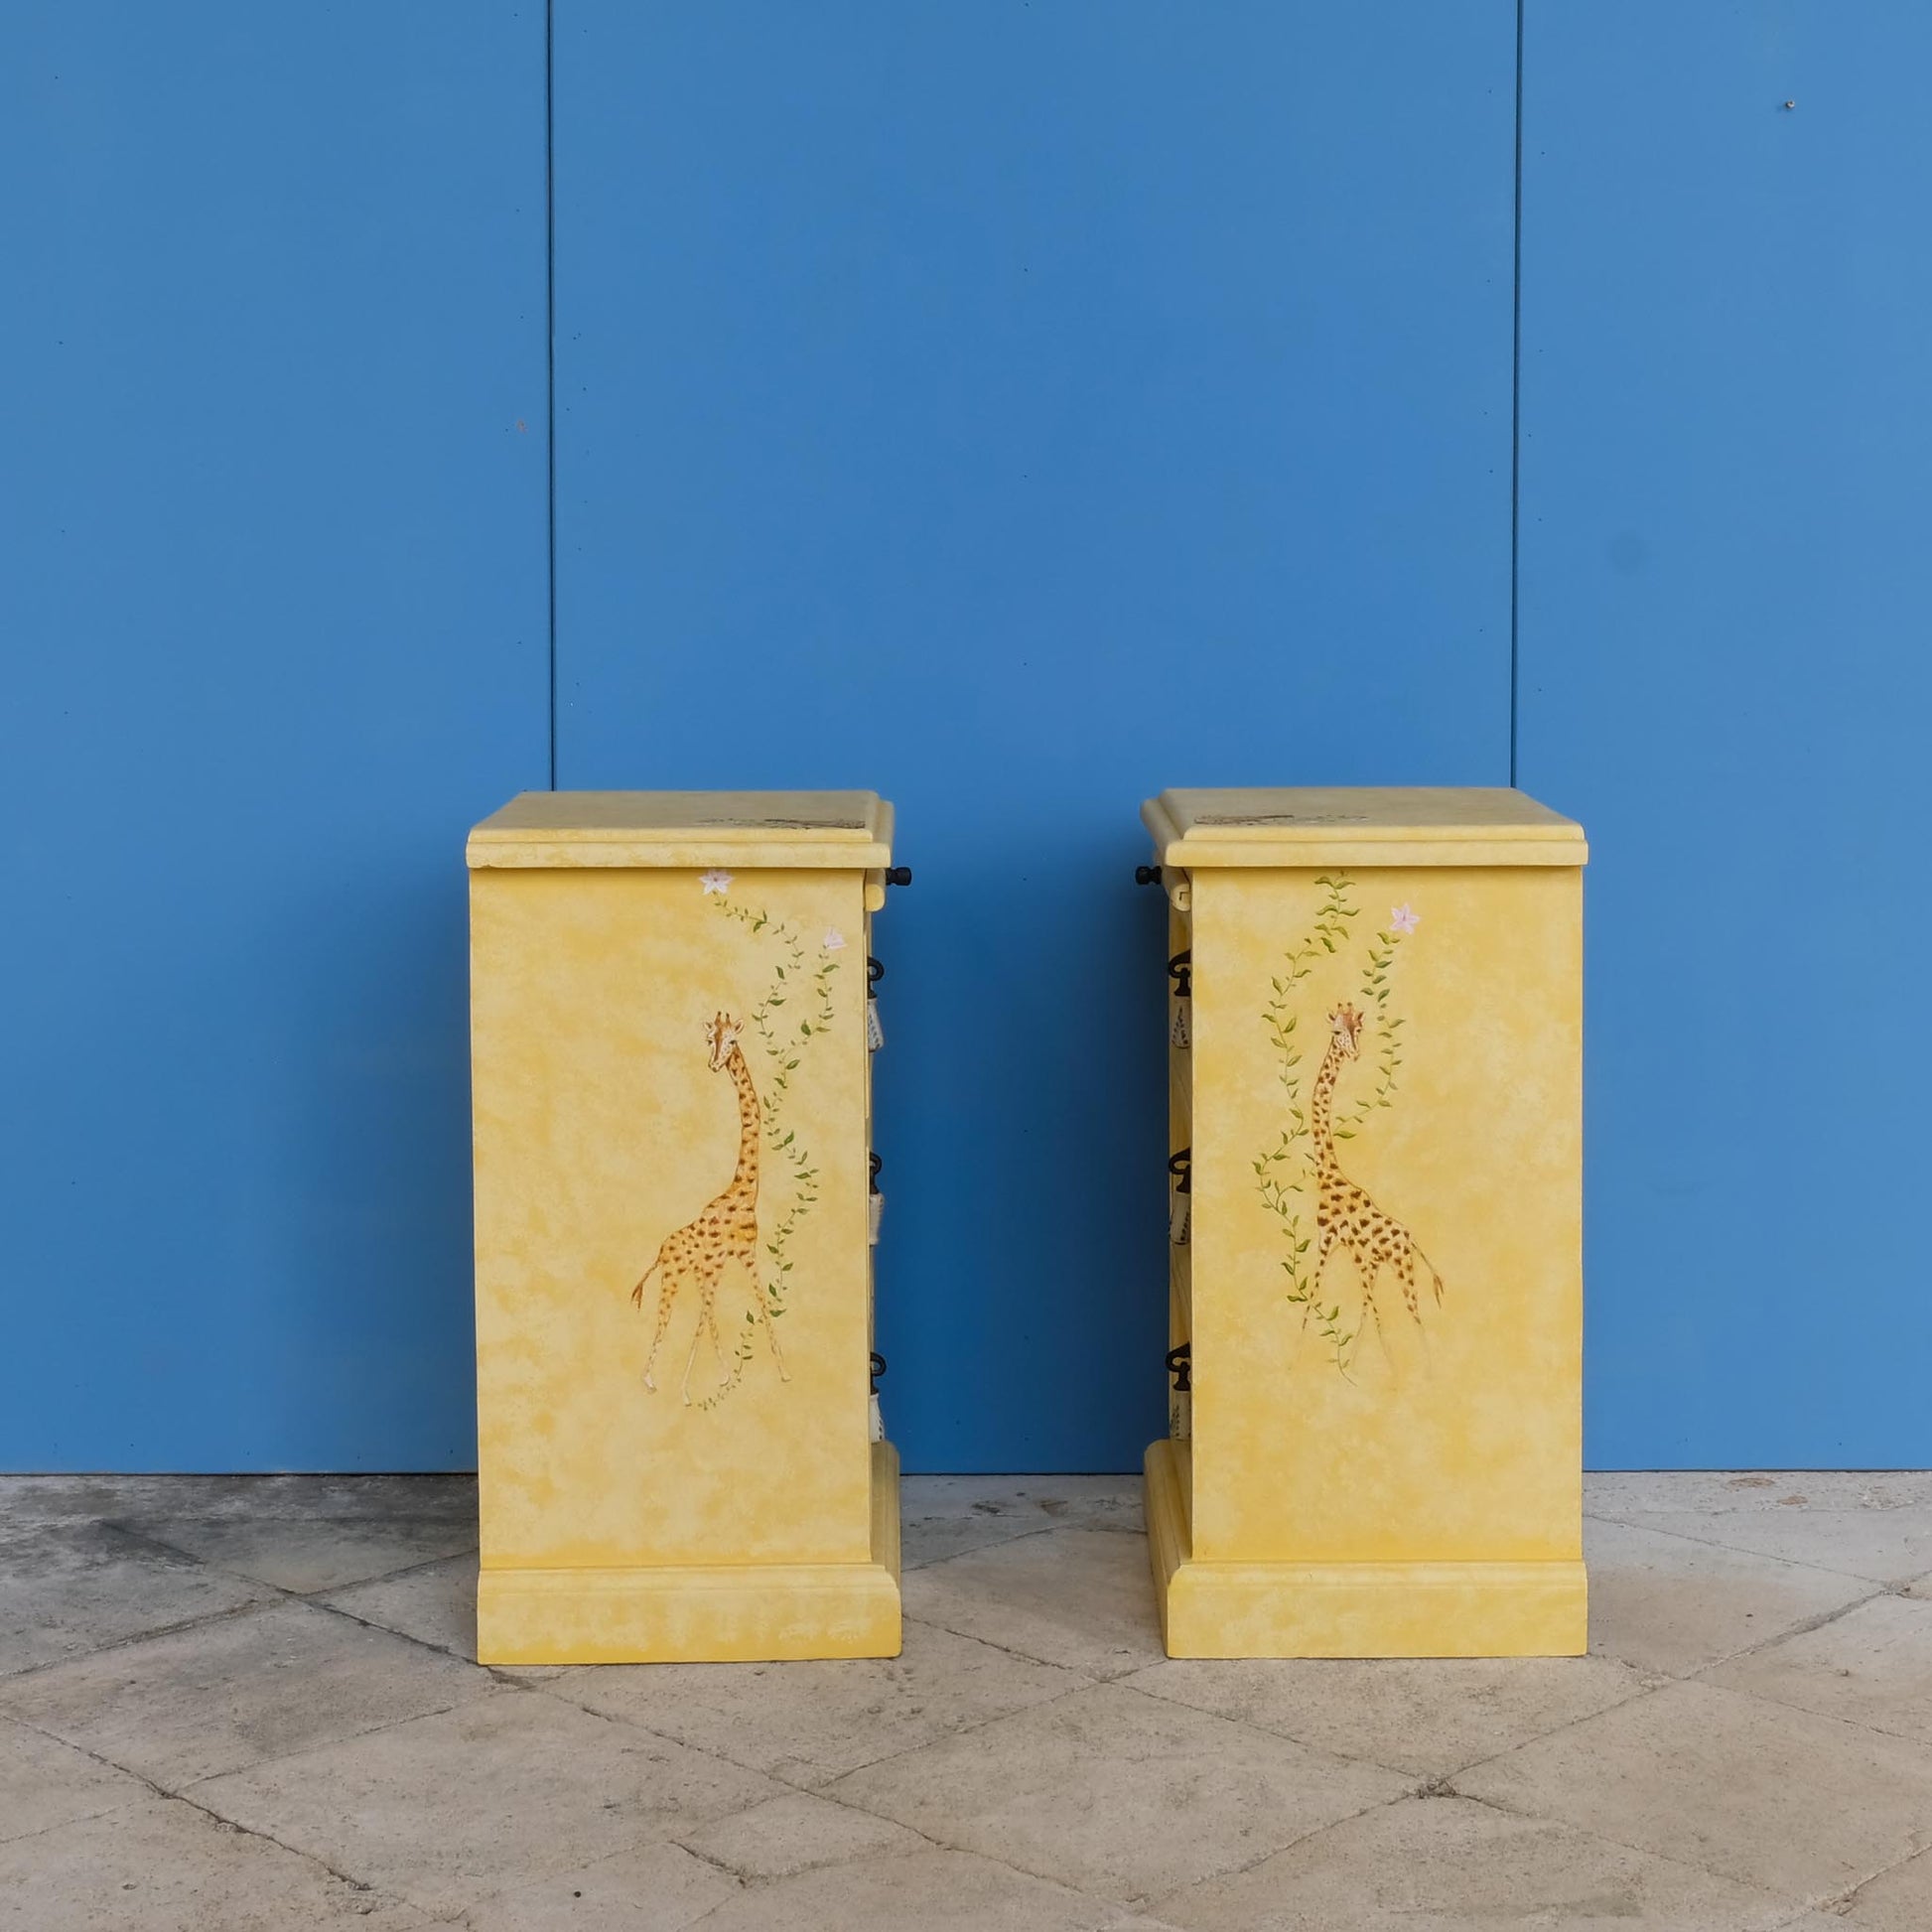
column 1727, row 463
column 275, row 614
column 1016, row 408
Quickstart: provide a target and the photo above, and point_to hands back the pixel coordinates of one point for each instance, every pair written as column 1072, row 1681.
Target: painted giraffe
column 1344, row 1215
column 725, row 1235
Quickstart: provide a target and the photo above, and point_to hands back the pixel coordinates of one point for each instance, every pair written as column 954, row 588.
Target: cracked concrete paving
column 242, row 1703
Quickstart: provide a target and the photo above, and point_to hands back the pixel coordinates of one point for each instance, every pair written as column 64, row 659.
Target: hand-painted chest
column 1375, row 1043
column 672, row 1067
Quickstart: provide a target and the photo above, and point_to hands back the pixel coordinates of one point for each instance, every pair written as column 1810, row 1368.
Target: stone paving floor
column 229, row 1703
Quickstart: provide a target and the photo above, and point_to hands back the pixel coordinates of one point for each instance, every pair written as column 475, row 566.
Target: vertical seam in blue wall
column 550, row 344
column 1516, row 409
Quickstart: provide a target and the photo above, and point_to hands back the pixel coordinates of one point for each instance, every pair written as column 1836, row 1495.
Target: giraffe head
column 1347, row 1024
column 721, row 1035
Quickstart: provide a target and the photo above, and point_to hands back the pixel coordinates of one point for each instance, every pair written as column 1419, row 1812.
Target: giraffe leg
column 717, row 1341
column 1365, row 1268
column 1404, row 1263
column 697, row 1336
column 1405, row 1271
column 1323, row 1249
column 666, row 1297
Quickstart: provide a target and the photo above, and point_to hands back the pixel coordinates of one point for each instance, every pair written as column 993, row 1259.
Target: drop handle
column 872, row 1163
column 878, row 1368
column 1180, row 969
column 1180, row 1165
column 875, row 972
column 1181, row 1365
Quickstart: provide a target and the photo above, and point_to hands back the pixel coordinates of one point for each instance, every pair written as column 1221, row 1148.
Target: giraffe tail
column 637, row 1293
column 1433, row 1274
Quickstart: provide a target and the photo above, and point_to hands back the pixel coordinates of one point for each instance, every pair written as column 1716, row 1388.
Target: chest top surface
column 814, row 830
column 1360, row 825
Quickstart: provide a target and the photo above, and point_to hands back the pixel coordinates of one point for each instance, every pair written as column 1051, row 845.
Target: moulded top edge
column 1365, row 824
column 686, row 828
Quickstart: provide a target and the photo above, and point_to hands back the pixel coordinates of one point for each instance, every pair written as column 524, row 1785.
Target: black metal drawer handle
column 1181, row 1365
column 1180, row 969
column 1180, row 1165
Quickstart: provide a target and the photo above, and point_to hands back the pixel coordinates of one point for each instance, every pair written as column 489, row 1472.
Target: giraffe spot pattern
column 724, row 1231
column 1347, row 1217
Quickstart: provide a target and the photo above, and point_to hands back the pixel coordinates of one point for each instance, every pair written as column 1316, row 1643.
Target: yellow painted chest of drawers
column 1375, row 1024
column 672, row 1118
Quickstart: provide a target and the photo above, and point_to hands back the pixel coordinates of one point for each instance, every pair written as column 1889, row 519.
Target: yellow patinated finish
column 672, row 1086
column 1376, row 1264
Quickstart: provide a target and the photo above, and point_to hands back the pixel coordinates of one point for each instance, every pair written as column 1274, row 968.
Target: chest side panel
column 641, row 1210
column 1387, row 1214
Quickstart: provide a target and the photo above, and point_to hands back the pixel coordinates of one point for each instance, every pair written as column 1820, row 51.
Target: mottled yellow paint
column 619, row 1524
column 1419, row 1492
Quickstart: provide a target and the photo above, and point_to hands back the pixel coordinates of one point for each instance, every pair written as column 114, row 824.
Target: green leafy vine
column 1387, row 1028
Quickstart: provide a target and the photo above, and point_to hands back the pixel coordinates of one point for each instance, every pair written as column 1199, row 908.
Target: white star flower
column 715, row 882
column 834, row 940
